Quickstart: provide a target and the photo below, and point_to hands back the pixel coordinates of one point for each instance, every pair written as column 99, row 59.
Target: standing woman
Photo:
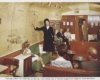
column 84, row 30
column 48, row 45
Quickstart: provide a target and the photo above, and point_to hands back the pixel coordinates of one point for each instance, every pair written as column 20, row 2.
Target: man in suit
column 93, row 63
column 61, row 36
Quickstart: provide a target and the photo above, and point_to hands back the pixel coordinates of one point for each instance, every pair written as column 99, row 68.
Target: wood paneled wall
column 78, row 29
column 93, row 19
column 10, row 55
column 55, row 24
column 74, row 29
column 69, row 19
column 81, row 48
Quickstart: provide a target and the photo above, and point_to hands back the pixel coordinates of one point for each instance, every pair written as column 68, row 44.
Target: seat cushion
column 45, row 57
column 36, row 65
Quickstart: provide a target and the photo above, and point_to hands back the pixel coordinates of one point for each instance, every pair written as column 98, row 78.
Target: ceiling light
column 49, row 3
column 56, row 5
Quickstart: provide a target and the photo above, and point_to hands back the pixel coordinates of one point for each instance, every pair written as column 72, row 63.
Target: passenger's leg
column 41, row 61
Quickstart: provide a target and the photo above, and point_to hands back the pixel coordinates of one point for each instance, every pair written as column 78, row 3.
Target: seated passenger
column 27, row 51
column 67, row 34
column 61, row 36
column 93, row 63
column 60, row 61
column 92, row 54
column 57, row 41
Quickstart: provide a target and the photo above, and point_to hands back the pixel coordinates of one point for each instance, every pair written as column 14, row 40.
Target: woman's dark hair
column 83, row 21
column 27, row 45
column 80, row 22
column 45, row 21
column 62, row 49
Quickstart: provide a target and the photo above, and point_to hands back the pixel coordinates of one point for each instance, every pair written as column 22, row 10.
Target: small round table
column 71, row 54
column 79, row 59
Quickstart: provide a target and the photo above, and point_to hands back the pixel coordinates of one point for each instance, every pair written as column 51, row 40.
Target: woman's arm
column 52, row 32
column 32, row 54
column 39, row 29
column 36, row 28
column 25, row 52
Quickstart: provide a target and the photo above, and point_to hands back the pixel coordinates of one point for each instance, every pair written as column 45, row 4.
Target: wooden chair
column 12, row 64
column 52, row 71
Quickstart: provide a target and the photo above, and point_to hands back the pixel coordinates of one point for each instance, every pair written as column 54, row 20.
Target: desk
column 3, row 68
column 25, row 65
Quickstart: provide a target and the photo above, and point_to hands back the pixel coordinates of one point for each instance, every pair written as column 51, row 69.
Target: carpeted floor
column 40, row 73
column 37, row 74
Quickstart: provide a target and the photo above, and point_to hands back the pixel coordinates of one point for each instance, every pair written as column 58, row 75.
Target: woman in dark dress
column 48, row 45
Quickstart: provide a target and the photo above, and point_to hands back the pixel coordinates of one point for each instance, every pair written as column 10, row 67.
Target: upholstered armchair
column 36, row 66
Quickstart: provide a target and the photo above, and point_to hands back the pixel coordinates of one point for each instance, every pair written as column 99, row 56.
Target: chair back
column 95, row 65
column 12, row 64
column 35, row 49
column 52, row 71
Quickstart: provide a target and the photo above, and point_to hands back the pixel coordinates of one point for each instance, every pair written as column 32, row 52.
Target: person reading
column 27, row 51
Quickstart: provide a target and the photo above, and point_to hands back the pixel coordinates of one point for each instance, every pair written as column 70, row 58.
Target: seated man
column 60, row 61
column 61, row 36
column 92, row 63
